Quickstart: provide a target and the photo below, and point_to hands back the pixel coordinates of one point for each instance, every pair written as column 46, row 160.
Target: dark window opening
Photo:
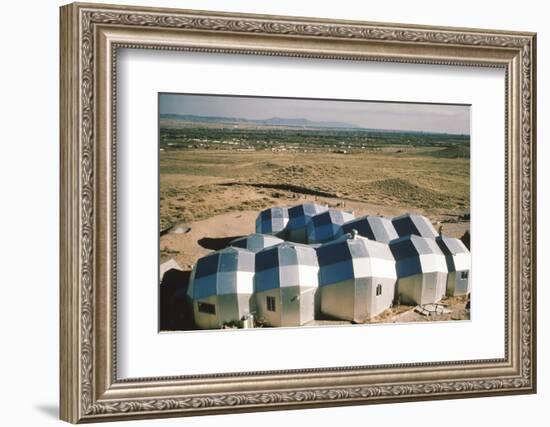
column 206, row 307
column 464, row 275
column 379, row 289
column 270, row 303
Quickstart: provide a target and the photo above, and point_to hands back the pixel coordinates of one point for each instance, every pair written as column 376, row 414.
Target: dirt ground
column 406, row 314
column 199, row 184
column 215, row 232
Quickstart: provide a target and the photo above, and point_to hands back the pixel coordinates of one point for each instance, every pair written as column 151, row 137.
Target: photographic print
column 289, row 212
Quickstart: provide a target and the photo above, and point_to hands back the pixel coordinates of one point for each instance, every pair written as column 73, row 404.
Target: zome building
column 221, row 287
column 414, row 224
column 256, row 242
column 330, row 265
column 298, row 219
column 286, row 285
column 272, row 221
column 421, row 270
column 372, row 227
column 357, row 278
column 326, row 226
column 458, row 265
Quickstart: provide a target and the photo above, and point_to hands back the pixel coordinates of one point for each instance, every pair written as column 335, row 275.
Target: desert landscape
column 216, row 175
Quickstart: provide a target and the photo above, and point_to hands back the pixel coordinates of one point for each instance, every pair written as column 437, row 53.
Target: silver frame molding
column 90, row 37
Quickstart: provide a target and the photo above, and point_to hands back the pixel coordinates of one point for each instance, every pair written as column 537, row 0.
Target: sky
column 445, row 118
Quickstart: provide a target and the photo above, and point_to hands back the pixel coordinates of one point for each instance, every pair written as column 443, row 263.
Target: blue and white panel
column 421, row 269
column 432, row 260
column 299, row 217
column 380, row 262
column 458, row 255
column 335, row 262
column 357, row 278
column 286, row 265
column 350, row 259
column 372, row 227
column 308, row 266
column 256, row 242
column 415, row 255
column 326, row 226
column 203, row 280
column 229, row 271
column 414, row 224
column 272, row 221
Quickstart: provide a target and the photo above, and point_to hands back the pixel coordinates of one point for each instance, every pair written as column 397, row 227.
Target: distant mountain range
column 273, row 121
column 285, row 122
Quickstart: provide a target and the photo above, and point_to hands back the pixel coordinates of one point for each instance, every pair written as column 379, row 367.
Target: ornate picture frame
column 90, row 37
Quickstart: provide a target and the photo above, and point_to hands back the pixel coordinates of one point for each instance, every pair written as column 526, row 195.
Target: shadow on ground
column 175, row 310
column 217, row 243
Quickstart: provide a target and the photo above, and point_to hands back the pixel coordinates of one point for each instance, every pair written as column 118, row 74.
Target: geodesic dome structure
column 350, row 269
column 421, row 269
column 458, row 264
column 414, row 224
column 298, row 218
column 221, row 287
column 357, row 278
column 372, row 227
column 286, row 284
column 326, row 226
column 256, row 242
column 272, row 221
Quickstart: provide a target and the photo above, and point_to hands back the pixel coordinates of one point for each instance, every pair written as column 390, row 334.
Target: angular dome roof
column 414, row 224
column 229, row 271
column 372, row 227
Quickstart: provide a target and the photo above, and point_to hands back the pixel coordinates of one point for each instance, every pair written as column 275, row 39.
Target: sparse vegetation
column 413, row 171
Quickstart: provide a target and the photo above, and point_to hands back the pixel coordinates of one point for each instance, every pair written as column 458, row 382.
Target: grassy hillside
column 198, row 184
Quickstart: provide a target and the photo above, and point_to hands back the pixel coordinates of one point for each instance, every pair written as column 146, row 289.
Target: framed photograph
column 267, row 212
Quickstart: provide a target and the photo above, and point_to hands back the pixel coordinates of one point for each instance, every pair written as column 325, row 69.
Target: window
column 379, row 289
column 205, row 307
column 270, row 303
column 463, row 274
